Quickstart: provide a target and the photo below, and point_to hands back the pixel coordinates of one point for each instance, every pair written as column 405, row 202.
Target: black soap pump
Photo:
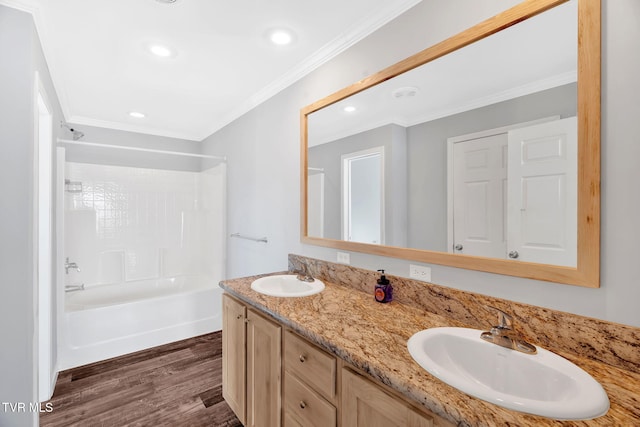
column 384, row 289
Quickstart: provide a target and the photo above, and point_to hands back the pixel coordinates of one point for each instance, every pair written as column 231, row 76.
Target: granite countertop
column 373, row 337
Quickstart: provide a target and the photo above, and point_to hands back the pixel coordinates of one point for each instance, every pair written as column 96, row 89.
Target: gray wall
column 22, row 57
column 263, row 152
column 116, row 157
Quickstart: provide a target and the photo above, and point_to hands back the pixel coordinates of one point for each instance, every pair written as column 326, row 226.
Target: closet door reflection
column 363, row 196
column 479, row 196
column 514, row 193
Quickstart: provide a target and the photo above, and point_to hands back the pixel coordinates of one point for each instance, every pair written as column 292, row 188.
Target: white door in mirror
column 543, row 193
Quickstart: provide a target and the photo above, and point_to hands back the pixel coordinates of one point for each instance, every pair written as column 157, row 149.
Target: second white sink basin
column 286, row 285
column 543, row 384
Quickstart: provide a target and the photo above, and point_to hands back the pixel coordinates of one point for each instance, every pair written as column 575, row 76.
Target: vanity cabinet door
column 364, row 404
column 234, row 355
column 263, row 371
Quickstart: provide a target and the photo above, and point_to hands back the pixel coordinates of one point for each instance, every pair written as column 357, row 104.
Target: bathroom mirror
column 436, row 117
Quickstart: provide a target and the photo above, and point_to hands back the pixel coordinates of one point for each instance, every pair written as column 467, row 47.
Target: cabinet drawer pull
column 302, row 358
column 239, row 316
column 303, row 404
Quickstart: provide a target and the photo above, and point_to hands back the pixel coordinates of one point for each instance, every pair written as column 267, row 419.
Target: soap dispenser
column 384, row 289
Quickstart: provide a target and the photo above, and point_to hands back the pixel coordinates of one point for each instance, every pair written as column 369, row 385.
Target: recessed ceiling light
column 349, row 108
column 137, row 114
column 160, row 50
column 280, row 37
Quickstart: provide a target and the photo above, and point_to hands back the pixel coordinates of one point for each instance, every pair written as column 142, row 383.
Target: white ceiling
column 224, row 66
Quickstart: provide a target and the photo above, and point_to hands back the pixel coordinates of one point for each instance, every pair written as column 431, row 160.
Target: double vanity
column 337, row 357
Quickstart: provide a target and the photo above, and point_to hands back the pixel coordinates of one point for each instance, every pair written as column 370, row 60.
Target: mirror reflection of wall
column 427, row 160
column 512, row 192
column 329, row 157
column 416, row 165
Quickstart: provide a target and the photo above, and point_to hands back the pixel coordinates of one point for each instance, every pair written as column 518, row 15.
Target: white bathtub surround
column 143, row 223
column 111, row 320
column 150, row 247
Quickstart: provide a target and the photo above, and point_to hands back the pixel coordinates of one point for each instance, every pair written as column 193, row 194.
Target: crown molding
column 320, row 57
column 88, row 121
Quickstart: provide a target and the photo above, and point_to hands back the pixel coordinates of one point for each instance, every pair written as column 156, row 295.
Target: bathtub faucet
column 68, row 265
column 73, row 288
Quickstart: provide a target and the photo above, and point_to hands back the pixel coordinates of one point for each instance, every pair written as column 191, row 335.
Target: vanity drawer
column 310, row 364
column 305, row 407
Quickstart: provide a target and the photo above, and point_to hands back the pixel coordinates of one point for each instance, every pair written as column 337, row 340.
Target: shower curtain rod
column 146, row 150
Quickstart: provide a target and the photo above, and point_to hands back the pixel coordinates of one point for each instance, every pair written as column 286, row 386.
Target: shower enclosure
column 145, row 252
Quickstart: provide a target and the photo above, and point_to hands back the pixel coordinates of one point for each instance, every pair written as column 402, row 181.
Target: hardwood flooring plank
column 191, row 382
column 94, row 409
column 219, row 415
column 212, row 396
column 166, row 415
column 178, row 384
column 98, row 385
column 142, row 355
column 132, row 368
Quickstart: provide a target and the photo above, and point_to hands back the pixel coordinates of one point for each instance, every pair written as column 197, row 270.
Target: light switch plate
column 420, row 272
column 344, row 258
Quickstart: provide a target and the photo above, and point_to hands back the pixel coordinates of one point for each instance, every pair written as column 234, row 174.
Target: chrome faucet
column 504, row 335
column 304, row 275
column 70, row 265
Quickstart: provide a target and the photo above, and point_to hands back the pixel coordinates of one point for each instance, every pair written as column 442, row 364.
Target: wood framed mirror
column 574, row 195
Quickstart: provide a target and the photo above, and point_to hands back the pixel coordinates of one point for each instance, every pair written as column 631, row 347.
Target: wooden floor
column 178, row 384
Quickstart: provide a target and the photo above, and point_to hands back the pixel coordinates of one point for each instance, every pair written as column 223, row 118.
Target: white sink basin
column 286, row 285
column 541, row 384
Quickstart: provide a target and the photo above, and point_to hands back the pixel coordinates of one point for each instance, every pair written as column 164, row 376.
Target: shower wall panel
column 130, row 224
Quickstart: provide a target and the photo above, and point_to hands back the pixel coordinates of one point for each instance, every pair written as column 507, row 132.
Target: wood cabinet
column 309, row 393
column 367, row 404
column 263, row 371
column 272, row 377
column 234, row 356
column 251, row 364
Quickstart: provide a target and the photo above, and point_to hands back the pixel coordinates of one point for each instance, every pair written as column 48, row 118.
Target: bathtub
column 106, row 321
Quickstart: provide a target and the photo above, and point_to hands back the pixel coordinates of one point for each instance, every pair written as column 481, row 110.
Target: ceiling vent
column 405, row 92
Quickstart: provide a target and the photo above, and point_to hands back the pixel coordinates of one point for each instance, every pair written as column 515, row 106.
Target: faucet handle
column 505, row 321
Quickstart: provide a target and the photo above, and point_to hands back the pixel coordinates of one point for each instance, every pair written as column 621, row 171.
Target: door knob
column 458, row 247
column 514, row 254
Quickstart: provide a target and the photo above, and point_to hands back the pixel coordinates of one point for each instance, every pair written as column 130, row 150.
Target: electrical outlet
column 344, row 258
column 420, row 272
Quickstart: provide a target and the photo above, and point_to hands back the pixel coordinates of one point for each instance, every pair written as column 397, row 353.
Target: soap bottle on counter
column 384, row 289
